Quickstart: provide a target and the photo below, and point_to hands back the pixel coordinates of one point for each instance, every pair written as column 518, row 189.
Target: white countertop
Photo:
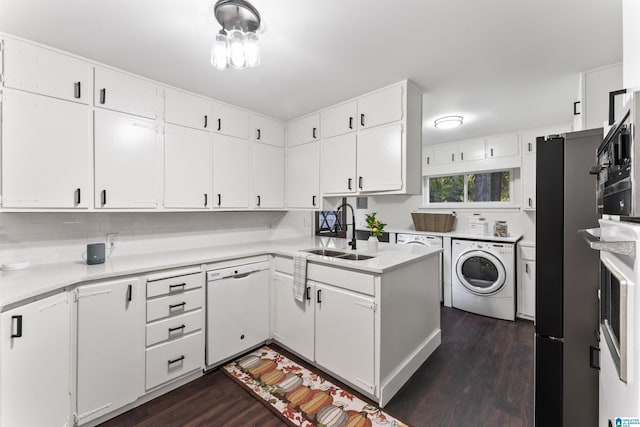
column 513, row 238
column 22, row 285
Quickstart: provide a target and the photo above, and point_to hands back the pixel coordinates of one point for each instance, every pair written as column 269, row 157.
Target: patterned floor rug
column 300, row 396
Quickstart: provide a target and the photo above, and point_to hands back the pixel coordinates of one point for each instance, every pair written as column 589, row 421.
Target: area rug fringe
column 301, row 397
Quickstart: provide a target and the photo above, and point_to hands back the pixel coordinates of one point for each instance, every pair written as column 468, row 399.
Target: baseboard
column 396, row 379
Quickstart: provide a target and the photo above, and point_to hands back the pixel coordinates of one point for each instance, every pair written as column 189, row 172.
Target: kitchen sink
column 326, row 252
column 355, row 257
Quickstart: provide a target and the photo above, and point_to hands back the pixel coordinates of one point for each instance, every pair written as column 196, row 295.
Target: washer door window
column 480, row 272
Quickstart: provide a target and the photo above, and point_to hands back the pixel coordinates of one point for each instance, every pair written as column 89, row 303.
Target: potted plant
column 376, row 228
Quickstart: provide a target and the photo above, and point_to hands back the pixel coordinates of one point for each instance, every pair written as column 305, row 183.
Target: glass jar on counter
column 500, row 229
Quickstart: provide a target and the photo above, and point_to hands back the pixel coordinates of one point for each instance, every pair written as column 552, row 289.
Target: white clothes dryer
column 483, row 278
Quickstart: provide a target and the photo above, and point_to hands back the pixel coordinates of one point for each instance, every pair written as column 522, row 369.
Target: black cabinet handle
column 350, row 122
column 362, row 120
column 530, row 202
column 172, row 306
column 452, row 156
column 612, row 104
column 349, row 183
column 18, row 332
column 575, row 108
column 529, row 147
column 308, row 293
column 526, row 268
column 219, row 199
column 179, row 359
column 177, row 328
column 219, row 124
column 206, row 199
column 76, row 90
column 313, row 133
column 594, row 362
column 258, row 137
column 78, row 196
column 258, row 200
column 360, row 182
column 206, row 121
column 177, row 285
column 428, row 160
column 129, row 292
column 461, row 156
column 104, row 197
column 318, row 296
column 313, row 200
column 492, row 152
column 103, row 96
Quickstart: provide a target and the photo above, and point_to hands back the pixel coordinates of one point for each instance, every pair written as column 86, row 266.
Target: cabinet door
column 379, row 162
column 445, row 153
column 345, row 335
column 268, row 176
column 122, row 92
column 231, row 121
column 42, row 71
column 339, row 164
column 471, row 150
column 45, row 158
column 301, row 131
column 528, row 288
column 427, row 155
column 303, row 176
column 339, row 120
column 126, row 153
column 293, row 321
column 187, row 110
column 268, row 131
column 528, row 172
column 380, row 107
column 34, row 361
column 230, row 172
column 110, row 370
column 237, row 314
column 187, row 168
column 502, row 146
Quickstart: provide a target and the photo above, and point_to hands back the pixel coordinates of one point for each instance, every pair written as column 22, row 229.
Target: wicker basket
column 433, row 222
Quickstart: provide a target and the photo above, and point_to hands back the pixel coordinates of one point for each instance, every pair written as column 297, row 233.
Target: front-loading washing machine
column 483, row 278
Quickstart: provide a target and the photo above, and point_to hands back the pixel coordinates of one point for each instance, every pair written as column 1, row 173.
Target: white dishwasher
column 237, row 310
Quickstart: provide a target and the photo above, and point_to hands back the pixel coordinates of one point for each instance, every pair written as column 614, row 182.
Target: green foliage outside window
column 472, row 187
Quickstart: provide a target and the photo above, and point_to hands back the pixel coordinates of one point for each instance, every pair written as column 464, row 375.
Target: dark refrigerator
column 567, row 276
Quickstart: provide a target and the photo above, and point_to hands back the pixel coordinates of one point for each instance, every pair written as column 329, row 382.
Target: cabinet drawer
column 528, row 252
column 173, row 359
column 174, row 327
column 283, row 264
column 346, row 279
column 174, row 305
column 174, row 285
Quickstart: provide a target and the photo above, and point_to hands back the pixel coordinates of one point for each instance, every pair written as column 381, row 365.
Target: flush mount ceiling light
column 448, row 122
column 236, row 45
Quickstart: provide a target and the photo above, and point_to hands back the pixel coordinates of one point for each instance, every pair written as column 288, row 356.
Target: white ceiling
column 503, row 64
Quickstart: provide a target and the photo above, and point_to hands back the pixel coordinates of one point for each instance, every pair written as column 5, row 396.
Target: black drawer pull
column 76, row 90
column 349, row 184
column 206, row 199
column 258, row 138
column 529, row 147
column 78, row 196
column 219, row 124
column 18, row 332
column 308, row 292
column 258, row 200
column 179, row 359
column 177, row 328
column 178, row 285
column 104, row 197
column 313, row 200
column 318, row 295
column 103, row 96
column 360, row 182
column 313, row 133
column 129, row 292
column 350, row 122
column 172, row 306
column 219, row 199
column 492, row 152
column 362, row 120
column 575, row 108
column 206, row 121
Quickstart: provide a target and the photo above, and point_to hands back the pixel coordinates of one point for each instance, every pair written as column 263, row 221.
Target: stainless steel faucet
column 352, row 243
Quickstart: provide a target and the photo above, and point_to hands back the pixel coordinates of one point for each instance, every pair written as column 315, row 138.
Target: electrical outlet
column 112, row 239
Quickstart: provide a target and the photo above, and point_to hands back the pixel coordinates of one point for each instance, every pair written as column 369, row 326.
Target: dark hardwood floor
column 482, row 375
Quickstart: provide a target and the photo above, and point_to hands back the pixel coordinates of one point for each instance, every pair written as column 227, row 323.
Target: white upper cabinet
column 503, row 146
column 230, row 121
column 230, row 172
column 268, row 131
column 303, row 176
column 381, row 107
column 268, row 176
column 188, row 110
column 187, row 168
column 303, row 130
column 339, row 120
column 126, row 161
column 45, row 152
column 427, row 155
column 444, row 154
column 379, row 161
column 592, row 108
column 122, row 92
column 339, row 164
column 471, row 150
column 34, row 69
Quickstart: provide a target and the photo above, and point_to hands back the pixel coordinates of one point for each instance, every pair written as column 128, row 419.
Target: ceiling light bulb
column 237, row 55
column 252, row 50
column 448, row 122
column 220, row 51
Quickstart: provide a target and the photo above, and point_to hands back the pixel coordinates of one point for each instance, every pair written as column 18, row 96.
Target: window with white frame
column 478, row 187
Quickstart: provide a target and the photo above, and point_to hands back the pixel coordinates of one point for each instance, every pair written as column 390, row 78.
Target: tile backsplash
column 54, row 237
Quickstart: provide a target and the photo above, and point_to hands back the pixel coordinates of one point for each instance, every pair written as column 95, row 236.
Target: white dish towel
column 299, row 274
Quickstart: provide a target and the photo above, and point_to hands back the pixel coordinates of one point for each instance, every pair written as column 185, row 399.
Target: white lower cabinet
column 110, row 362
column 344, row 334
column 293, row 321
column 527, row 275
column 34, row 362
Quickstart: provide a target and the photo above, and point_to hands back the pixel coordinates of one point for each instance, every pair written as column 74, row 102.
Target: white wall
column 631, row 43
column 52, row 237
